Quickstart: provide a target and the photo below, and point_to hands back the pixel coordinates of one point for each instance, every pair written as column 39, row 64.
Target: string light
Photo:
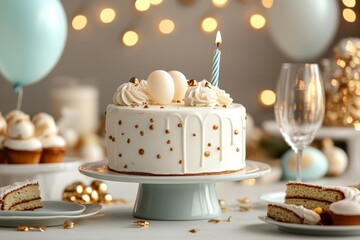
column 142, row 5
column 79, row 22
column 267, row 97
column 257, row 21
column 349, row 3
column 267, row 3
column 130, row 38
column 209, row 24
column 166, row 26
column 219, row 3
column 155, row 2
column 107, row 15
column 349, row 15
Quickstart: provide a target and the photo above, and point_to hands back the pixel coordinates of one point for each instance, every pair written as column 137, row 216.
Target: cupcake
column 3, row 128
column 14, row 115
column 20, row 145
column 345, row 212
column 54, row 146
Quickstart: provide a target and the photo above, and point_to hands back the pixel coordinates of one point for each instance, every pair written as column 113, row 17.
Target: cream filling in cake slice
column 293, row 214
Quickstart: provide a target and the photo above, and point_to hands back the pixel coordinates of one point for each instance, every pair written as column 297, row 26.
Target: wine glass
column 300, row 106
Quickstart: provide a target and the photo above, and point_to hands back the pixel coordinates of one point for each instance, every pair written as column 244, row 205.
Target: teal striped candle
column 216, row 62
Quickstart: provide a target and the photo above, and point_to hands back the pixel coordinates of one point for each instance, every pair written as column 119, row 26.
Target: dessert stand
column 175, row 197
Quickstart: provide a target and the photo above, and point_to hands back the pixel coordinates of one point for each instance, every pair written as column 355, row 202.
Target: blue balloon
column 32, row 38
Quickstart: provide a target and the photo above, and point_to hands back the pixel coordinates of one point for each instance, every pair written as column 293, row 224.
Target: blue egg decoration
column 314, row 164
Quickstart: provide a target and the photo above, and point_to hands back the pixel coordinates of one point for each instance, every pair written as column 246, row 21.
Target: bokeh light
column 130, row 38
column 166, row 26
column 267, row 3
column 349, row 3
column 142, row 5
column 107, row 15
column 349, row 15
column 219, row 3
column 257, row 21
column 209, row 24
column 155, row 2
column 79, row 22
column 267, row 97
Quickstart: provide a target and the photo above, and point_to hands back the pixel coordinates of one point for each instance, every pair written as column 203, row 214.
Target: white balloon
column 303, row 29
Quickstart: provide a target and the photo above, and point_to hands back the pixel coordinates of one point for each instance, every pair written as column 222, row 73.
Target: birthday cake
column 168, row 126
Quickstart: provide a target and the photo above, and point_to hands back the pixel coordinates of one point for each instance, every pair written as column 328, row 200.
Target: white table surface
column 116, row 221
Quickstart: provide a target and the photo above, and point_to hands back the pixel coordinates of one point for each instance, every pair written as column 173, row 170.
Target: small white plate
column 50, row 208
column 48, row 221
column 319, row 230
column 274, row 197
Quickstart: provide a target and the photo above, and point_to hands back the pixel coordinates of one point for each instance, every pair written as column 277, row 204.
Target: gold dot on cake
column 136, row 126
column 194, row 134
column 146, row 106
column 209, row 144
column 122, row 134
column 128, row 141
column 236, row 132
column 158, row 156
column 141, row 133
column 120, row 122
column 219, row 148
column 215, row 127
column 110, row 137
column 238, row 149
column 171, row 149
column 178, row 101
column 180, row 161
column 125, row 166
column 167, row 131
column 207, row 154
column 162, row 107
column 168, row 142
column 141, row 151
column 151, row 127
column 120, row 155
column 113, row 139
column 151, row 120
column 179, row 125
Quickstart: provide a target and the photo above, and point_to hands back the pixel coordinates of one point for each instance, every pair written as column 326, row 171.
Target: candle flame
column 218, row 38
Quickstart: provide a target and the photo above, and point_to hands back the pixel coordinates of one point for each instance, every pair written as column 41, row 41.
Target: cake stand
column 175, row 197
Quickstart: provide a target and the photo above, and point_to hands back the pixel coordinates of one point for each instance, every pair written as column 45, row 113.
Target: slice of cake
column 293, row 214
column 21, row 196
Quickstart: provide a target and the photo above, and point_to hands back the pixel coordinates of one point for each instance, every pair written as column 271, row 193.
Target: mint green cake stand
column 176, row 197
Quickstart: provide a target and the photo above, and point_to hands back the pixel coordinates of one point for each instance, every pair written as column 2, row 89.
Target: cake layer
column 28, row 205
column 292, row 214
column 175, row 139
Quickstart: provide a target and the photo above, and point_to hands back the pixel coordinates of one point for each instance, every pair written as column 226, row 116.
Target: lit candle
column 216, row 61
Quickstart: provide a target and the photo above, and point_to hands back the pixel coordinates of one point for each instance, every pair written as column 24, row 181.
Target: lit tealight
column 79, row 22
column 349, row 3
column 267, row 3
column 155, row 2
column 349, row 15
column 267, row 97
column 130, row 38
column 166, row 26
column 142, row 5
column 107, row 15
column 219, row 3
column 209, row 24
column 257, row 21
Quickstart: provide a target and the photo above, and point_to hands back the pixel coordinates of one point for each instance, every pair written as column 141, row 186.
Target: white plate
column 274, row 197
column 319, row 230
column 101, row 171
column 50, row 208
column 57, row 220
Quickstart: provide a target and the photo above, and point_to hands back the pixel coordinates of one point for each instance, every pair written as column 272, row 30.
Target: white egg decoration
column 338, row 161
column 161, row 87
column 180, row 84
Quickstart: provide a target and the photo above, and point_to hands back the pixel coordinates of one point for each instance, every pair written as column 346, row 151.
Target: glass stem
column 298, row 165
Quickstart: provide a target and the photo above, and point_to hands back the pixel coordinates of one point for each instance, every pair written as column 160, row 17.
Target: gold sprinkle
column 194, row 134
column 222, row 202
column 207, row 154
column 125, row 166
column 180, row 161
column 237, row 149
column 128, row 141
column 122, row 134
column 158, row 156
column 110, row 137
column 214, row 221
column 318, row 210
column 236, row 132
column 244, row 209
column 142, row 223
column 179, row 125
column 120, row 122
column 194, row 230
column 141, row 151
column 68, row 224
column 215, row 127
column 141, row 133
column 151, row 120
column 168, row 142
column 113, row 139
column 209, row 144
column 167, row 131
column 229, row 219
column 120, row 155
column 146, row 106
column 22, row 228
column 225, row 209
column 178, row 101
column 151, row 127
column 224, row 106
column 134, row 80
column 171, row 149
column 192, row 83
column 208, row 85
column 244, row 200
column 162, row 107
column 136, row 126
column 219, row 148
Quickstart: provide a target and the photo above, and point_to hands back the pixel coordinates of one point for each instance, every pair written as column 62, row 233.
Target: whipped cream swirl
column 44, row 125
column 200, row 96
column 3, row 125
column 21, row 129
column 129, row 94
column 224, row 98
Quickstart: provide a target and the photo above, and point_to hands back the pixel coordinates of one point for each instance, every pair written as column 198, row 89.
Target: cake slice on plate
column 293, row 214
column 21, row 196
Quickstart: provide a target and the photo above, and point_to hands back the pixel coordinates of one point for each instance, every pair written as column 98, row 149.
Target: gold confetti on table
column 222, row 202
column 68, row 224
column 244, row 200
column 194, row 230
column 244, row 209
column 214, row 220
column 142, row 223
column 229, row 219
column 23, row 228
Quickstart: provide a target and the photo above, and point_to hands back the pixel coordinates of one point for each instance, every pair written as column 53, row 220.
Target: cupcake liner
column 345, row 219
column 3, row 157
column 53, row 155
column 23, row 157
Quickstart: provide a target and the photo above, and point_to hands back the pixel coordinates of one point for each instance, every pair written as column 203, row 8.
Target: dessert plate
column 274, row 197
column 319, row 230
column 50, row 208
column 48, row 221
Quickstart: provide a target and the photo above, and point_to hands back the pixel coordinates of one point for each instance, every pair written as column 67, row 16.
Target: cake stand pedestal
column 175, row 197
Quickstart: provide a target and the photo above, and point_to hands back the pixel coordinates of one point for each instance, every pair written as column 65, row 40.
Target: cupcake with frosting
column 14, row 115
column 345, row 212
column 3, row 129
column 20, row 145
column 54, row 145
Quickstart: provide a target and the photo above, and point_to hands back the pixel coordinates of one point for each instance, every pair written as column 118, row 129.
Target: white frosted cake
column 148, row 134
